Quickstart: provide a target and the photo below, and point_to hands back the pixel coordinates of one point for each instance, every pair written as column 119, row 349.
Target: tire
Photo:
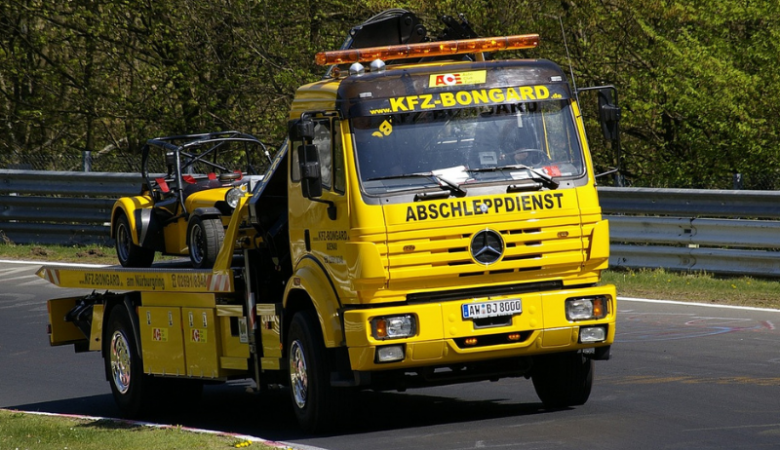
column 204, row 237
column 312, row 396
column 129, row 254
column 562, row 380
column 132, row 390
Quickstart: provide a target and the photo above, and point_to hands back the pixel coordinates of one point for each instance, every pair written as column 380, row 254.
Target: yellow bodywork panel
column 270, row 329
column 62, row 332
column 193, row 342
column 599, row 241
column 127, row 206
column 161, row 340
column 201, row 335
column 175, row 237
column 181, row 300
column 234, row 343
column 96, row 331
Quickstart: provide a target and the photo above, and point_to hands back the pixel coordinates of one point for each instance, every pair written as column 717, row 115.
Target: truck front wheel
column 130, row 387
column 562, row 379
column 312, row 396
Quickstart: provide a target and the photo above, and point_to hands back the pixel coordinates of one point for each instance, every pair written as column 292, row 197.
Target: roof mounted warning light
column 429, row 49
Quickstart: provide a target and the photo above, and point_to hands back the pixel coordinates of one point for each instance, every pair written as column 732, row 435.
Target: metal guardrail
column 664, row 228
column 67, row 208
column 690, row 202
column 72, row 184
column 678, row 229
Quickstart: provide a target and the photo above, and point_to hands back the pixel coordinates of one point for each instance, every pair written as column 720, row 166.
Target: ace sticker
column 199, row 336
column 160, row 334
column 457, row 79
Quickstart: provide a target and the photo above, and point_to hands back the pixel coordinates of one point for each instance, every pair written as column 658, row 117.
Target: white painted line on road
column 6, row 272
column 707, row 305
column 47, row 263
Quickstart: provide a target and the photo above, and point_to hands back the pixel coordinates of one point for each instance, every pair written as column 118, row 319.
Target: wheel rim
column 122, row 242
column 196, row 244
column 120, row 362
column 299, row 380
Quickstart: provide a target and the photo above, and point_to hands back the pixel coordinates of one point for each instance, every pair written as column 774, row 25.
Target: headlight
column 394, row 327
column 587, row 308
column 233, row 195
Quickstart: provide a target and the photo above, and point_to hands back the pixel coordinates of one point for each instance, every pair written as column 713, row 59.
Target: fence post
column 738, row 182
column 86, row 158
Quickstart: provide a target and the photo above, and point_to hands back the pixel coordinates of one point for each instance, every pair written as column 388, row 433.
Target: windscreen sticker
column 457, row 79
column 385, row 129
column 477, row 97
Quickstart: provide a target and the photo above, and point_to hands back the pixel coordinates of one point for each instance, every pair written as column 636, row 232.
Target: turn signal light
column 429, row 49
column 599, row 309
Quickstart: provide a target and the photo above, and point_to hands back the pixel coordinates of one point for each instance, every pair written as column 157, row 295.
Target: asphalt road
column 681, row 377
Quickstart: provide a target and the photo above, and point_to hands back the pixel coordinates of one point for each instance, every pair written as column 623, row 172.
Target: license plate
column 481, row 310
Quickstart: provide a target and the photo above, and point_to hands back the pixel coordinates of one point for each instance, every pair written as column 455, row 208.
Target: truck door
column 319, row 225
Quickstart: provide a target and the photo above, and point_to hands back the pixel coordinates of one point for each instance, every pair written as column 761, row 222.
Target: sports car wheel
column 204, row 237
column 129, row 254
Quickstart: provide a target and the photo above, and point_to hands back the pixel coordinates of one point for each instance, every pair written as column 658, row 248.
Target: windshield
column 477, row 145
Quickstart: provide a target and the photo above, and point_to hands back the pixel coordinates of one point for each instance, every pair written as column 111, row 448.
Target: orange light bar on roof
column 429, row 49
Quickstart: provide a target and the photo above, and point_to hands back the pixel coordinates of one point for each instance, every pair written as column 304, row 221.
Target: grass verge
column 695, row 287
column 37, row 432
column 59, row 253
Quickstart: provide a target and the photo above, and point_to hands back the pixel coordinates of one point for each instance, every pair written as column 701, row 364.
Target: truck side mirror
column 311, row 177
column 301, row 130
column 609, row 114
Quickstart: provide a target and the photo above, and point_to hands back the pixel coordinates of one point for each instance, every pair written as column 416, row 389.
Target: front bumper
column 442, row 333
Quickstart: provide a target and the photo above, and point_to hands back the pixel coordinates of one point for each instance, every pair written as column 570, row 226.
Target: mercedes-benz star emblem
column 487, row 247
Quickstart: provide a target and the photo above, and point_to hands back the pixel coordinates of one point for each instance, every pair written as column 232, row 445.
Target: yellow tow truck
column 432, row 219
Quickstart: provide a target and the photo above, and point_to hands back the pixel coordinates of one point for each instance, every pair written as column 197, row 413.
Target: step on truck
column 431, row 219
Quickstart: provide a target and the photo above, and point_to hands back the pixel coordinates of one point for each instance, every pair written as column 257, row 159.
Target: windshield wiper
column 536, row 175
column 451, row 185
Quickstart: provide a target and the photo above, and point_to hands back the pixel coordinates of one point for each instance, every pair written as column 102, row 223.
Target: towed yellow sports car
column 192, row 184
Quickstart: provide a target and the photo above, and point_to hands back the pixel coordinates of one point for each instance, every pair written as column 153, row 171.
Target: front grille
column 545, row 245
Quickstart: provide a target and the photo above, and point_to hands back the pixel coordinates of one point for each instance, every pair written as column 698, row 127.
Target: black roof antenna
column 568, row 57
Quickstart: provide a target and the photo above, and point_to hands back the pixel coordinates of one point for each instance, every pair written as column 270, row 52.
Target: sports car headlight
column 232, row 196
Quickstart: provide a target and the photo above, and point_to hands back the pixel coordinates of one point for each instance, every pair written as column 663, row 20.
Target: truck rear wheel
column 562, row 379
column 312, row 396
column 129, row 254
column 132, row 389
column 205, row 238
